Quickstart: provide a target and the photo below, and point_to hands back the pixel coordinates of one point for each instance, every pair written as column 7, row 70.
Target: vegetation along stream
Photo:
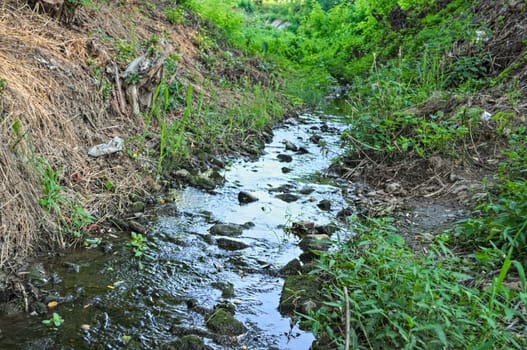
column 192, row 263
column 398, row 224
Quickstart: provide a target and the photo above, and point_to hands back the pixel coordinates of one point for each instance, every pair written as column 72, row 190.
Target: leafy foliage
column 140, row 249
column 54, row 322
column 399, row 299
column 501, row 217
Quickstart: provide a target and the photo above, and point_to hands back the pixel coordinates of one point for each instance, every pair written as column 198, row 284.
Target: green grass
column 61, row 202
column 185, row 125
column 402, row 300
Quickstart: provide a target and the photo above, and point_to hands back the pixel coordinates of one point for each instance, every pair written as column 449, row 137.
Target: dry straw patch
column 51, row 108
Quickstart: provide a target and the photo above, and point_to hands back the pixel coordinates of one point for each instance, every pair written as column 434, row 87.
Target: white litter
column 114, row 145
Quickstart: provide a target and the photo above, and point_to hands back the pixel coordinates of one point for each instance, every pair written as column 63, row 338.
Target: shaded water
column 125, row 307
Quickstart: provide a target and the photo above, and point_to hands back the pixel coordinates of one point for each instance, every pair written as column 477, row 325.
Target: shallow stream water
column 108, row 303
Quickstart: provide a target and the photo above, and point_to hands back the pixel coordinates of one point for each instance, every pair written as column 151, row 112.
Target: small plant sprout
column 139, row 244
column 54, row 322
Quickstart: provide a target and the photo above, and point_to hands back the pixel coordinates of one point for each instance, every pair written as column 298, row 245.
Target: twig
column 346, row 299
column 120, row 98
column 24, row 293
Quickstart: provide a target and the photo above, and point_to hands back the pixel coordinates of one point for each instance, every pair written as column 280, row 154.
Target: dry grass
column 53, row 97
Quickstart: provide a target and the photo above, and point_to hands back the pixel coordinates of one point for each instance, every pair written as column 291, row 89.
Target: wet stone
column 344, row 213
column 298, row 293
column 136, row 226
column 204, row 182
column 324, row 205
column 306, row 190
column 246, row 197
column 226, row 288
column 222, row 322
column 289, row 146
column 302, row 228
column 286, row 158
column 231, row 230
column 226, row 306
column 319, row 242
column 247, row 225
column 315, row 139
column 231, row 244
column 291, row 268
column 328, row 229
column 194, row 305
column 286, row 188
column 287, row 197
column 302, row 150
column 218, row 163
column 187, row 342
column 168, row 209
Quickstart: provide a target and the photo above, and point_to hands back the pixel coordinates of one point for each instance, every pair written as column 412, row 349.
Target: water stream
column 108, row 303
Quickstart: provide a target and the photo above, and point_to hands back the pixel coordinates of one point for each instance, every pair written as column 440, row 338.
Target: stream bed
column 107, row 302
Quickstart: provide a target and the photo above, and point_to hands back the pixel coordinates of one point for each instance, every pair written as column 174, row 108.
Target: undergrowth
column 62, row 203
column 500, row 218
column 186, row 125
column 402, row 300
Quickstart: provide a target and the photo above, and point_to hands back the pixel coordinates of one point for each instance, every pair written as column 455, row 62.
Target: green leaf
column 521, row 274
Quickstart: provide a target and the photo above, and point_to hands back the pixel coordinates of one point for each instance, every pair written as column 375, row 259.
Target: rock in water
column 302, row 150
column 287, row 197
column 307, row 190
column 222, row 322
column 246, row 197
column 297, row 291
column 324, row 205
column 284, row 158
column 289, row 146
column 230, row 230
column 315, row 139
column 318, row 243
column 187, row 342
column 231, row 244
